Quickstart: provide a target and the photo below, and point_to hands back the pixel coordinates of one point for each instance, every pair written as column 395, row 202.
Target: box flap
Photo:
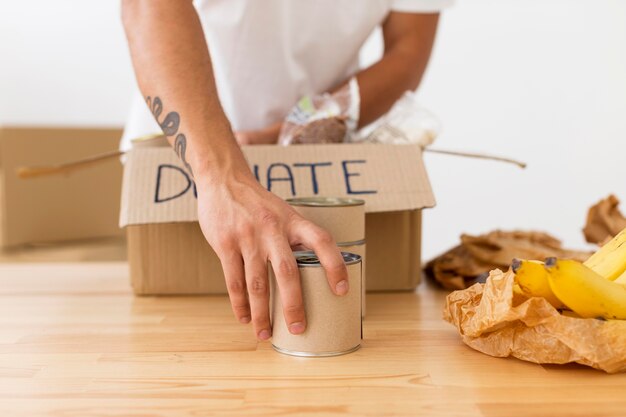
column 156, row 188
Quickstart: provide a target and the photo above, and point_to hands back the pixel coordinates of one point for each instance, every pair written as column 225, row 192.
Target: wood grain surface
column 74, row 342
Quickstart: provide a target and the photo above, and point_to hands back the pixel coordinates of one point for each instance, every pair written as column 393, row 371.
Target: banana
column 517, row 290
column 569, row 313
column 621, row 279
column 610, row 260
column 518, row 296
column 532, row 278
column 584, row 291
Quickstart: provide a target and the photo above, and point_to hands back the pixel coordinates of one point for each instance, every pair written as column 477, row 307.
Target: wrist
column 217, row 157
column 230, row 166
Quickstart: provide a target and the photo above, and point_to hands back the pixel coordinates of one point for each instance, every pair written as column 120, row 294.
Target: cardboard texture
column 173, row 258
column 168, row 254
column 157, row 189
column 394, row 242
column 333, row 322
column 79, row 205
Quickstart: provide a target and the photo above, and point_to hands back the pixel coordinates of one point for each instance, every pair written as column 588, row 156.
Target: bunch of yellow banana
column 595, row 288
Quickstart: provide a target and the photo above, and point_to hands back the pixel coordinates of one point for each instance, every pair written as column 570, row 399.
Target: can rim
column 352, row 243
column 306, row 259
column 314, row 354
column 325, row 201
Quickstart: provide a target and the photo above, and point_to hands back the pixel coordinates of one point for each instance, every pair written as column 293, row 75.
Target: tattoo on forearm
column 170, row 124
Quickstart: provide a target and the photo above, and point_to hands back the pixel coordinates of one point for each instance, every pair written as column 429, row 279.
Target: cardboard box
column 83, row 204
column 168, row 254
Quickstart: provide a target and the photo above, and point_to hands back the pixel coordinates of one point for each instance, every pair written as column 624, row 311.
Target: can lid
column 308, row 258
column 325, row 201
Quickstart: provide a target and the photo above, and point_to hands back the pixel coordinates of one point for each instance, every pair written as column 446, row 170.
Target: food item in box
column 406, row 122
column 323, row 118
column 329, row 130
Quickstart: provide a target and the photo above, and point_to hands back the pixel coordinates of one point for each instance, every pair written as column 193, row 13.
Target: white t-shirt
column 267, row 54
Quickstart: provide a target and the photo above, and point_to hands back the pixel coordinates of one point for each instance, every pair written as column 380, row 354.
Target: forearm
column 174, row 73
column 408, row 44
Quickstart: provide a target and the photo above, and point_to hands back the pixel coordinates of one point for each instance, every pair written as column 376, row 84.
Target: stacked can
column 343, row 218
column 333, row 322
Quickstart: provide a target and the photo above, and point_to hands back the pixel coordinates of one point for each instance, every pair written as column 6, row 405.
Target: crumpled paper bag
column 604, row 220
column 457, row 268
column 493, row 320
column 462, row 265
column 500, row 247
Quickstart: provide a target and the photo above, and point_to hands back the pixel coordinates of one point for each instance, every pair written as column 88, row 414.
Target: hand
column 267, row 136
column 248, row 226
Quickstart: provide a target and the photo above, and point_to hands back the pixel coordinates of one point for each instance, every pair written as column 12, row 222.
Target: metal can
column 334, row 325
column 343, row 218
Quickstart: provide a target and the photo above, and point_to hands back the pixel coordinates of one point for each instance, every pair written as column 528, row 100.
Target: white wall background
column 543, row 81
column 63, row 62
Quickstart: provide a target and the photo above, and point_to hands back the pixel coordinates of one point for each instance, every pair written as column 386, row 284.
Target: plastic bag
column 325, row 118
column 406, row 122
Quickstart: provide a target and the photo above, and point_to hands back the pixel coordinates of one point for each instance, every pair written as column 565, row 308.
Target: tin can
column 343, row 218
column 334, row 325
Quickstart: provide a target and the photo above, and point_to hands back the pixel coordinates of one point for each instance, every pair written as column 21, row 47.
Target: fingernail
column 245, row 320
column 296, row 328
column 342, row 287
column 264, row 334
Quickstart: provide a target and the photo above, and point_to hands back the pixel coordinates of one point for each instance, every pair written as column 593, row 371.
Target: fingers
column 288, row 280
column 322, row 243
column 232, row 264
column 258, row 293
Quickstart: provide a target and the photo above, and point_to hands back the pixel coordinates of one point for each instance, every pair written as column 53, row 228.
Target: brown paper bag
column 604, row 220
column 459, row 267
column 492, row 319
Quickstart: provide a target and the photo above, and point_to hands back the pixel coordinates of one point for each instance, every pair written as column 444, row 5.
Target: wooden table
column 75, row 342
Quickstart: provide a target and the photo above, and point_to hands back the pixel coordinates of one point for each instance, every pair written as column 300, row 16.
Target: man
column 264, row 56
